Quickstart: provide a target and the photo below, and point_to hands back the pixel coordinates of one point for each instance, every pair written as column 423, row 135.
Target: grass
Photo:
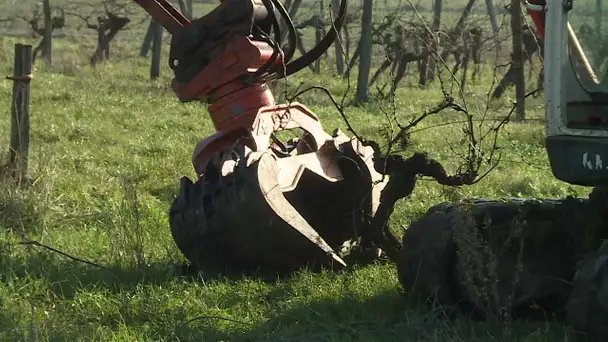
column 99, row 136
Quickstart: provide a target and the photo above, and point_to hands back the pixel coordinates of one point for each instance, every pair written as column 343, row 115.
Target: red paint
column 236, row 105
column 538, row 18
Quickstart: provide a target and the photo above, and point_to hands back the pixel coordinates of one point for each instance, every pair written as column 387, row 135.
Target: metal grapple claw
column 287, row 215
column 278, row 213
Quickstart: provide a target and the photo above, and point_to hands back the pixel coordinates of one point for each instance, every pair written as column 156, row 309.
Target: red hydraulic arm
column 215, row 58
column 220, row 59
column 224, row 59
column 164, row 13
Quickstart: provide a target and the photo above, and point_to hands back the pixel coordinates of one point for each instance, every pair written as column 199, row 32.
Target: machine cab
column 575, row 35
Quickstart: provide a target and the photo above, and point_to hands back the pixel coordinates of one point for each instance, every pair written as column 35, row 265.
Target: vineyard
column 85, row 248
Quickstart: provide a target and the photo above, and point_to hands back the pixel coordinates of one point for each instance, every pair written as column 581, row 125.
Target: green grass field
column 108, row 147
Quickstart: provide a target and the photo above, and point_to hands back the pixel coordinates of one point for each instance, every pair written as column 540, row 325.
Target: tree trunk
column 365, row 61
column 293, row 8
column 101, row 42
column 185, row 7
column 436, row 27
column 346, row 39
column 48, row 33
column 287, row 5
column 147, row 43
column 598, row 17
column 321, row 28
column 459, row 28
column 339, row 41
column 518, row 59
column 283, row 23
column 106, row 52
column 492, row 14
column 353, row 60
column 156, row 49
column 318, row 37
column 190, row 9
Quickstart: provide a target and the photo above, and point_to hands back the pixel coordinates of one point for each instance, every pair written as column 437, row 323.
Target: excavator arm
column 259, row 202
column 164, row 13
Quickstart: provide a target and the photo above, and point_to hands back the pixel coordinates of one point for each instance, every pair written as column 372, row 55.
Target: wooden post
column 20, row 111
column 518, row 60
column 48, row 32
column 156, row 49
column 147, row 43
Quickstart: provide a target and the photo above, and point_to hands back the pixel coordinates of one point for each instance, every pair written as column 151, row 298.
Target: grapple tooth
column 272, row 194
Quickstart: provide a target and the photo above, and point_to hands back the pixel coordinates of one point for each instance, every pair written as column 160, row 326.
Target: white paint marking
column 586, row 162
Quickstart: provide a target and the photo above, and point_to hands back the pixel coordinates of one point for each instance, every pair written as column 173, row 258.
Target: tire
column 587, row 308
column 491, row 256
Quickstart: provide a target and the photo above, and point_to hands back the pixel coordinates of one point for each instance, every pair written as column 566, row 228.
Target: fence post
column 156, row 50
column 48, row 33
column 518, row 60
column 147, row 43
column 20, row 112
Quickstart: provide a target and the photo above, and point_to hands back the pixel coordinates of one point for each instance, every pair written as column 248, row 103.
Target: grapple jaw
column 245, row 213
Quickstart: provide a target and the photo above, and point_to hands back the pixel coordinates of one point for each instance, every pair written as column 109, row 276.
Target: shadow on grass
column 383, row 317
column 361, row 315
column 19, row 215
column 20, row 210
column 66, row 277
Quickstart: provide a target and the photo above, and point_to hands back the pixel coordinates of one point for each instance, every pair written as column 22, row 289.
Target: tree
column 110, row 22
column 532, row 44
column 365, row 61
column 57, row 22
column 492, row 14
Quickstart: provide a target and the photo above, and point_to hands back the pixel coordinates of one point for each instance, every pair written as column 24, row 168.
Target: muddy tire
column 428, row 252
column 492, row 256
column 189, row 219
column 588, row 304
